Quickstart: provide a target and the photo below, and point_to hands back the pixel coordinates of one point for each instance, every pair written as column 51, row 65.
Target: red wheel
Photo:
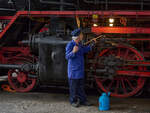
column 20, row 81
column 121, row 86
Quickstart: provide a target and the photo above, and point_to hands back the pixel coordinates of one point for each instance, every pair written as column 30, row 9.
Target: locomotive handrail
column 88, row 42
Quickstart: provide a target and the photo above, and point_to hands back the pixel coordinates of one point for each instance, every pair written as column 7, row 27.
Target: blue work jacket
column 76, row 60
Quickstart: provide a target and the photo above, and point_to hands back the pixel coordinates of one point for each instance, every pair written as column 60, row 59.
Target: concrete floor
column 41, row 102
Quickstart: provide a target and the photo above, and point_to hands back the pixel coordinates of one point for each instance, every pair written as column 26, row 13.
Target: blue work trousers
column 77, row 91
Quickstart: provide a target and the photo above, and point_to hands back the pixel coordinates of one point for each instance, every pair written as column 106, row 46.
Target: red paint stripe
column 134, row 73
column 9, row 25
column 142, row 13
column 121, row 30
column 6, row 17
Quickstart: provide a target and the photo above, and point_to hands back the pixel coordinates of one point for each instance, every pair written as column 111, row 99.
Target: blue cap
column 76, row 32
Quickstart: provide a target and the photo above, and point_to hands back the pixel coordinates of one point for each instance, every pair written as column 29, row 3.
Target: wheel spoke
column 110, row 85
column 111, row 53
column 26, row 83
column 123, row 86
column 130, row 84
column 126, row 54
column 21, row 85
column 117, row 86
column 118, row 52
column 134, row 57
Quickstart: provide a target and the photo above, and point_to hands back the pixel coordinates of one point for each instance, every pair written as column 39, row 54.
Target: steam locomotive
column 34, row 33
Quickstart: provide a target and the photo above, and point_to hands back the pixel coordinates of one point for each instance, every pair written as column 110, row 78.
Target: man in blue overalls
column 75, row 55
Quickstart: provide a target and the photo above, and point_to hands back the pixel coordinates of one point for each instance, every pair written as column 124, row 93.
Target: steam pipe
column 10, row 66
column 23, row 67
column 56, row 3
column 4, row 9
column 123, row 3
column 48, row 41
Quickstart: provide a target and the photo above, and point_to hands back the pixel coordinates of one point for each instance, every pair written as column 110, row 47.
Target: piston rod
column 23, row 67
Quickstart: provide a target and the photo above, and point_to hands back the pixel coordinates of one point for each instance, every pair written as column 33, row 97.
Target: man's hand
column 95, row 40
column 75, row 49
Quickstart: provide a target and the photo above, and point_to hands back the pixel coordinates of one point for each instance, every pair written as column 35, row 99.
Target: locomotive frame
column 119, row 65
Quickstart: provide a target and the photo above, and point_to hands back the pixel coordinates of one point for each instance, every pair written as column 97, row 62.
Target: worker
column 75, row 56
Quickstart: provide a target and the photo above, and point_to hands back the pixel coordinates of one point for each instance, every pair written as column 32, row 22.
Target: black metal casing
column 52, row 62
